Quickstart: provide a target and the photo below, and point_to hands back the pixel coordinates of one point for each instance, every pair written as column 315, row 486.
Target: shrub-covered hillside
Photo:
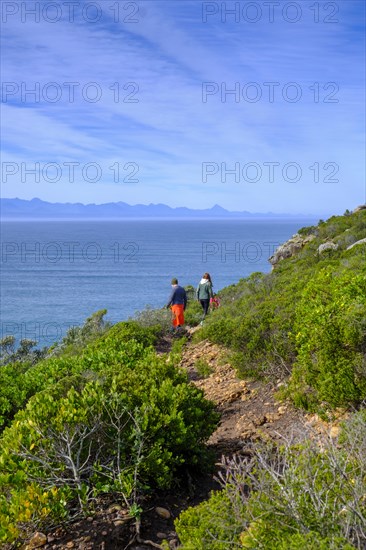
column 103, row 416
column 286, row 497
column 304, row 323
column 306, row 319
column 109, row 418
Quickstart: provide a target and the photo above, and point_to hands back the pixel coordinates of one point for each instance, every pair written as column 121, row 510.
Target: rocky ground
column 249, row 412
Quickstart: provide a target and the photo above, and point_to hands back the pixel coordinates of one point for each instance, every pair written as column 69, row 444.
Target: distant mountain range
column 36, row 209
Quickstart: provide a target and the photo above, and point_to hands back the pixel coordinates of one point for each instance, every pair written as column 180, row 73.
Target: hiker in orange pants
column 177, row 303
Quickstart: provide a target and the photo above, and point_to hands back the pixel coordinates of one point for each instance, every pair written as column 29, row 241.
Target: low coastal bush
column 193, row 313
column 290, row 497
column 77, row 337
column 306, row 319
column 127, row 331
column 123, row 345
column 203, row 368
column 119, row 428
column 26, row 352
column 330, row 332
column 150, row 317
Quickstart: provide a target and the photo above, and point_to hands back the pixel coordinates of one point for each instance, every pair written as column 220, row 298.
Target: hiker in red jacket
column 177, row 303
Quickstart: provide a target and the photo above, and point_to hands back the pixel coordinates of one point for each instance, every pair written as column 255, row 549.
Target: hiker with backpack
column 204, row 294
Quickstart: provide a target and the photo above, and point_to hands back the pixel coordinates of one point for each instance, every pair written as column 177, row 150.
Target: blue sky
column 130, row 103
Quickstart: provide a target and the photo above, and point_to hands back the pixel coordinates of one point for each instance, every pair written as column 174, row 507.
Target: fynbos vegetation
column 114, row 418
column 103, row 413
column 306, row 319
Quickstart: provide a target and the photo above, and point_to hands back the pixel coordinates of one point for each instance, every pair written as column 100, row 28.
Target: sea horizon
column 55, row 274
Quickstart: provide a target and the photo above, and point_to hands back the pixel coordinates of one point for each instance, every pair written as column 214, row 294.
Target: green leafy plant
column 24, row 353
column 203, row 368
column 150, row 317
column 304, row 321
column 292, row 496
column 120, row 426
column 122, row 344
column 330, row 330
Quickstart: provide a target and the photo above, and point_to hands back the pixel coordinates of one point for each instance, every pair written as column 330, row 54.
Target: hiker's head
column 207, row 276
column 174, row 281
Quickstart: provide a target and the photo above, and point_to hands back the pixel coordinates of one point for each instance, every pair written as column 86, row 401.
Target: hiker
column 204, row 294
column 177, row 303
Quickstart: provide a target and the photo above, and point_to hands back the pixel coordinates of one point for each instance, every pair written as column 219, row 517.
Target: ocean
column 56, row 274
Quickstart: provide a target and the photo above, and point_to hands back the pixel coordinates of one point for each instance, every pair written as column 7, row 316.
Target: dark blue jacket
column 178, row 296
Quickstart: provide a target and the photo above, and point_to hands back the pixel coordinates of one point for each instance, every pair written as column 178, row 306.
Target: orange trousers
column 177, row 315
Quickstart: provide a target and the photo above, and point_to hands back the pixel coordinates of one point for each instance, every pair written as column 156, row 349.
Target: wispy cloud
column 131, row 94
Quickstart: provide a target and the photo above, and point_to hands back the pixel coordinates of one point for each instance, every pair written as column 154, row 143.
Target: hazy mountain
column 38, row 209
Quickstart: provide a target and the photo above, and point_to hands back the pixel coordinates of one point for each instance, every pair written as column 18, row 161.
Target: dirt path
column 248, row 410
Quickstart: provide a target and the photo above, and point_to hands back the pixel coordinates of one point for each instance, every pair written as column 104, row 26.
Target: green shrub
column 19, row 381
column 123, row 344
column 257, row 326
column 330, row 332
column 293, row 496
column 78, row 337
column 191, row 293
column 127, row 331
column 203, row 368
column 150, row 317
column 212, row 525
column 297, row 316
column 193, row 313
column 24, row 353
column 129, row 427
column 12, row 391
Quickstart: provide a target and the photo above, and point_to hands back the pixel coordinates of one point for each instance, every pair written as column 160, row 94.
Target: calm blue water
column 55, row 274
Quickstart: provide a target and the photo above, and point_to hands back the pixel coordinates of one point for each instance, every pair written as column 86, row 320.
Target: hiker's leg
column 180, row 315
column 178, row 311
column 205, row 306
column 175, row 316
